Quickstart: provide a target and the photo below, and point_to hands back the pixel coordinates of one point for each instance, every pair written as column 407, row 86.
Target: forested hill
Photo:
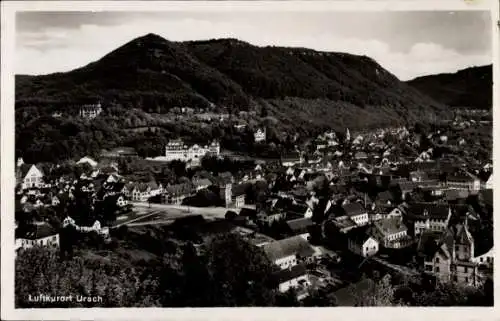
column 155, row 74
column 471, row 87
column 291, row 90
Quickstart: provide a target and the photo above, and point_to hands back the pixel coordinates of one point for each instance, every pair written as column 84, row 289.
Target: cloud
column 61, row 49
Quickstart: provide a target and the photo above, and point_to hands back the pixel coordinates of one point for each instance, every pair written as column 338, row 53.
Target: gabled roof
column 353, row 209
column 294, row 245
column 179, row 189
column 23, row 170
column 430, row 210
column 391, row 225
column 299, row 224
column 359, row 235
column 35, row 231
column 291, row 273
column 462, row 235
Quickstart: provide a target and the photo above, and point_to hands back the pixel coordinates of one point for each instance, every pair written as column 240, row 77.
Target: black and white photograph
column 219, row 158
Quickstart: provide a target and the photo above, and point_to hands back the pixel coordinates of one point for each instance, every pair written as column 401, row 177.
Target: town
column 411, row 202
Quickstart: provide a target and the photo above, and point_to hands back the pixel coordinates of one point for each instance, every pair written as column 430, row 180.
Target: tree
column 379, row 293
column 243, row 275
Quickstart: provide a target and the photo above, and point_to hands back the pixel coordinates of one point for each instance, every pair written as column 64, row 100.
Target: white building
column 177, row 150
column 295, row 277
column 485, row 259
column 362, row 244
column 289, row 252
column 40, row 234
column 90, row 111
column 29, row 176
column 259, row 135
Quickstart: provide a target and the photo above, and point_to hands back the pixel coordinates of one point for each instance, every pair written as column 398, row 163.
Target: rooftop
column 294, row 245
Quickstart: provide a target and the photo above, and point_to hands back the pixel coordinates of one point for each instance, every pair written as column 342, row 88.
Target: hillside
column 140, row 83
column 471, row 87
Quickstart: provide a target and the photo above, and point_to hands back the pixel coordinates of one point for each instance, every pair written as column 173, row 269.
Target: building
column 39, row 234
column 452, row 257
column 430, row 216
column 356, row 212
column 259, row 135
column 226, row 193
column 463, row 181
column 294, row 277
column 289, row 252
column 291, row 159
column 300, row 226
column 177, row 150
column 175, row 194
column 143, row 191
column 87, row 160
column 360, row 243
column 90, row 111
column 485, row 259
column 391, row 233
column 29, row 176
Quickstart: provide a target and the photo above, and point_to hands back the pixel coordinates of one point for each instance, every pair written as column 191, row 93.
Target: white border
column 8, row 180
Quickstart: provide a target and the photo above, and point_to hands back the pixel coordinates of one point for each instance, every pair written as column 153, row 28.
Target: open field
column 145, row 213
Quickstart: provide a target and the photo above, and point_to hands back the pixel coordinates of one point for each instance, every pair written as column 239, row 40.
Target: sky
column 408, row 44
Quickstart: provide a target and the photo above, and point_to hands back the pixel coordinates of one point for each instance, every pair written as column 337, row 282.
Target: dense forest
column 470, row 88
column 286, row 90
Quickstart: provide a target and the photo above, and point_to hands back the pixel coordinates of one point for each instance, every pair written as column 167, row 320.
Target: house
column 259, row 135
column 177, row 150
column 289, row 252
column 463, row 181
column 38, row 234
column 360, row 243
column 291, row 159
column 430, row 216
column 485, row 259
column 87, row 160
column 300, row 226
column 90, row 111
column 29, row 176
column 299, row 210
column 143, row 191
column 238, row 195
column 175, row 194
column 452, row 259
column 391, row 233
column 294, row 277
column 385, row 198
column 356, row 212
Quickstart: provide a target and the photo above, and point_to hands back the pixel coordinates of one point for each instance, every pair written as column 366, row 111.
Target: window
column 428, row 268
column 455, row 278
column 437, row 269
column 481, row 260
column 437, row 260
column 465, row 269
column 466, row 280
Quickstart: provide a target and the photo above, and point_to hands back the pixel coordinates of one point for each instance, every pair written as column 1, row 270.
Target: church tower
column 226, row 193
